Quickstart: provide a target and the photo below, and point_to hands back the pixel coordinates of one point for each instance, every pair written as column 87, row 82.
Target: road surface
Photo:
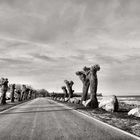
column 43, row 119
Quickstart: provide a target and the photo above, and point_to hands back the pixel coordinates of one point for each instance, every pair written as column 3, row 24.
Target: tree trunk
column 12, row 97
column 4, row 88
column 65, row 92
column 69, row 87
column 3, row 97
column 93, row 86
column 12, row 93
column 86, row 83
column 19, row 95
column 85, row 90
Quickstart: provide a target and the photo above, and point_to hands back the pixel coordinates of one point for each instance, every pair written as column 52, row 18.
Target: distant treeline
column 19, row 92
column 60, row 94
column 77, row 94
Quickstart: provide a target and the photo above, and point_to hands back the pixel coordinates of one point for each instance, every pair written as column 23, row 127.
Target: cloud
column 69, row 19
column 39, row 25
column 13, row 61
column 45, row 41
column 43, row 57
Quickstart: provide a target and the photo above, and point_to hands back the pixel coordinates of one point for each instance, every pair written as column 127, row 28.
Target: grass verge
column 118, row 119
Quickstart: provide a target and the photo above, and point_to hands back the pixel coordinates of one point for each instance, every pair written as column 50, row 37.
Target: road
column 43, row 119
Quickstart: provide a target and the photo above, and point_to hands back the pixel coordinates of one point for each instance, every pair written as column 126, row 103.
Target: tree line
column 19, row 92
column 88, row 77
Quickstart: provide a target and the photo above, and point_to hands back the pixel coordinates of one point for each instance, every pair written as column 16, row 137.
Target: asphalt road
column 42, row 119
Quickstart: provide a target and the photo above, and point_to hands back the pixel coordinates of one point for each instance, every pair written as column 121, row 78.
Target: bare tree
column 23, row 92
column 69, row 85
column 85, row 81
column 18, row 91
column 93, row 85
column 4, row 88
column 12, row 87
column 65, row 91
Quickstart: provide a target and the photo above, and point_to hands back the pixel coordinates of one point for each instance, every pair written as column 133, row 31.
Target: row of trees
column 89, row 79
column 68, row 92
column 88, row 76
column 43, row 93
column 19, row 92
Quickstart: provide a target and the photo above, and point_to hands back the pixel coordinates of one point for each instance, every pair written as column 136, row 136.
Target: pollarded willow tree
column 27, row 93
column 30, row 94
column 85, row 82
column 89, row 78
column 18, row 91
column 12, row 87
column 93, row 85
column 69, row 85
column 65, row 91
column 23, row 92
column 18, row 95
column 4, row 88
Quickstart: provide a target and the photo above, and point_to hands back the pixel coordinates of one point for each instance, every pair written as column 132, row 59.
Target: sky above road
column 44, row 42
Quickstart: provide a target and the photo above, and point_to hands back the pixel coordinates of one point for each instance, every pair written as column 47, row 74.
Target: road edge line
column 101, row 122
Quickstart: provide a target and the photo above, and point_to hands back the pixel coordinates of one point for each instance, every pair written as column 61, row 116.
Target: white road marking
column 90, row 117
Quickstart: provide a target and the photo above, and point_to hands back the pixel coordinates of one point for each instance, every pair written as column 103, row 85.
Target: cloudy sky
column 44, row 42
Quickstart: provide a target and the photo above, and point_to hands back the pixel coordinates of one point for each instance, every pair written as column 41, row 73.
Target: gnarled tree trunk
column 30, row 94
column 19, row 95
column 86, row 84
column 27, row 93
column 3, row 97
column 4, row 88
column 93, row 86
column 23, row 92
column 69, row 85
column 12, row 92
column 65, row 92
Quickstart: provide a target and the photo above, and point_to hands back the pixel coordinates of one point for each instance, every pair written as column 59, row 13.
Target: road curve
column 43, row 119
